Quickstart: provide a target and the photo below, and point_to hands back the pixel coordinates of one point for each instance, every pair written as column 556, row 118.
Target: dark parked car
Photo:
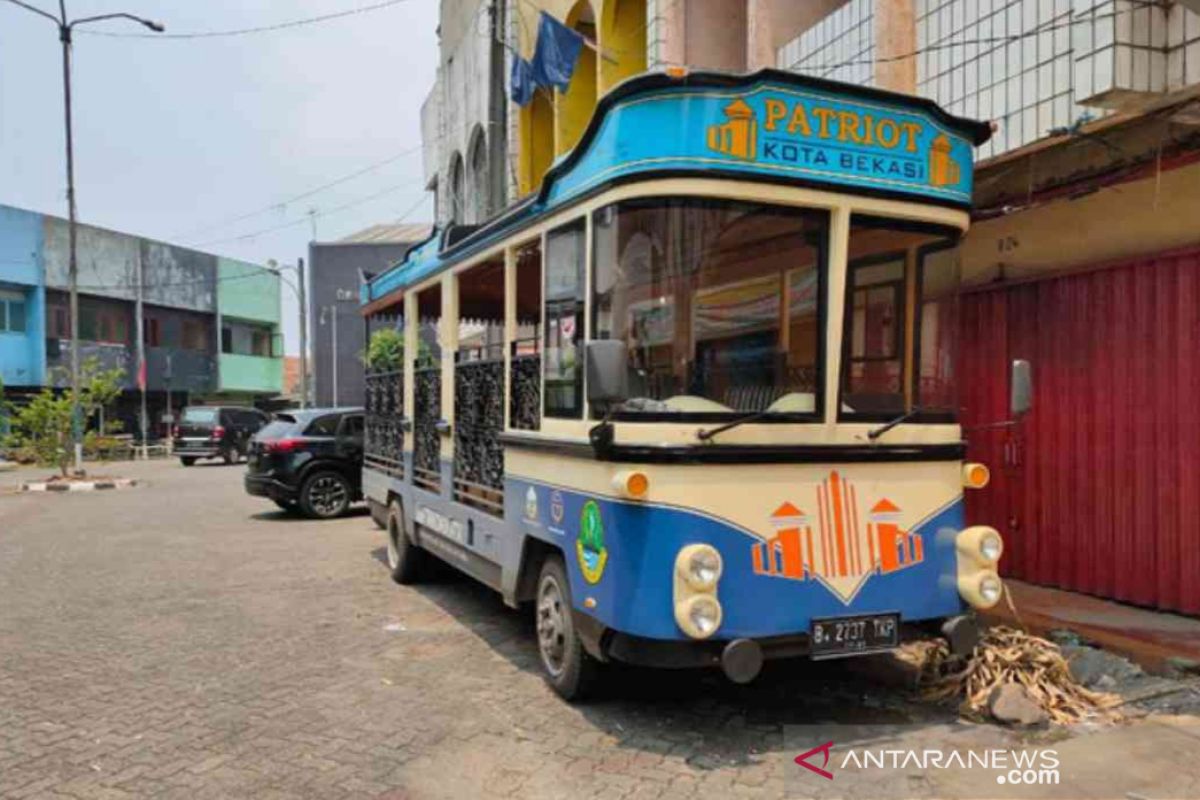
column 310, row 459
column 216, row 432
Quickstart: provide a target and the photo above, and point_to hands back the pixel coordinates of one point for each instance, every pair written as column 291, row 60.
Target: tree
column 385, row 351
column 43, row 427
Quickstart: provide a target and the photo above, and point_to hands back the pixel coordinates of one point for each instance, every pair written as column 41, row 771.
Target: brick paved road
column 183, row 639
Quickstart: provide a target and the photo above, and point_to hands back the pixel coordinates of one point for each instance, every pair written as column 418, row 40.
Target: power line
column 303, row 195
column 296, row 23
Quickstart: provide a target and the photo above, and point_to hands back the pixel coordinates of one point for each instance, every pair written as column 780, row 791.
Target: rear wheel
column 325, row 495
column 569, row 669
column 406, row 561
column 187, row 461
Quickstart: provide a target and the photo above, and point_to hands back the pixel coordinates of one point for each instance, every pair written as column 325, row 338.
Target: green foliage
column 41, row 430
column 385, row 351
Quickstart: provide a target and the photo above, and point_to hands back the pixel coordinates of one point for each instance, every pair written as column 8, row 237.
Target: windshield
column 718, row 302
column 901, row 321
column 200, row 415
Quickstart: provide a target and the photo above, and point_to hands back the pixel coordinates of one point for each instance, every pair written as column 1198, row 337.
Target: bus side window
column 562, row 365
column 525, row 381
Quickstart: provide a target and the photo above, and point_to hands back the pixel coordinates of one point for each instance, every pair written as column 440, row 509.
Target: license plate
column 848, row 636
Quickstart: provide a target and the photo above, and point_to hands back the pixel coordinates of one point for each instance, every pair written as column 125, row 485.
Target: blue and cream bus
column 693, row 401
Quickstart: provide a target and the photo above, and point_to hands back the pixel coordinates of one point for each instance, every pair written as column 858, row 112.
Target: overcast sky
column 174, row 137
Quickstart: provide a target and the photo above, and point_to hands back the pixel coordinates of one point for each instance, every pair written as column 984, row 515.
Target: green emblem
column 589, row 546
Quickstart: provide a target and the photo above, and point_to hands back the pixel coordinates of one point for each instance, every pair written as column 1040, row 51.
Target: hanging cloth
column 521, row 86
column 556, row 53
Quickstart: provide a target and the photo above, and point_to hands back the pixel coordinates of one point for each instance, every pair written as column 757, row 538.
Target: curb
column 81, row 486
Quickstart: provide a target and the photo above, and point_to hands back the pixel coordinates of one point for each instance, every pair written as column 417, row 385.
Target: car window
column 352, row 426
column 278, row 428
column 324, row 426
column 202, row 415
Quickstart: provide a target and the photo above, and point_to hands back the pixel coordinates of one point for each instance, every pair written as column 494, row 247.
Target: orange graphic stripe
column 839, row 522
column 823, row 502
column 812, row 568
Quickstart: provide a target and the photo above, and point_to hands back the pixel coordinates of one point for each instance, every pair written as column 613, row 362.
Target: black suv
column 311, row 459
column 216, row 432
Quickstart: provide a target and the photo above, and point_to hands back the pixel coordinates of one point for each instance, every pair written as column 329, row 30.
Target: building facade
column 1084, row 258
column 185, row 305
column 336, row 270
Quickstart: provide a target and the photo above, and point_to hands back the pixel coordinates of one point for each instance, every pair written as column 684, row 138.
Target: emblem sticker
column 832, row 546
column 589, row 547
column 531, row 504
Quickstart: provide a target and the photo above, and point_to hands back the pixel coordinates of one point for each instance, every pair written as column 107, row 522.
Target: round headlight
column 990, row 547
column 700, row 566
column 990, row 589
column 704, row 614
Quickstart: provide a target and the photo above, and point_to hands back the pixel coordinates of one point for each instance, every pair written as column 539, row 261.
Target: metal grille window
column 383, row 446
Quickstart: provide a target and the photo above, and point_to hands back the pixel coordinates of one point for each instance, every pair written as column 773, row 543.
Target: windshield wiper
column 887, row 426
column 705, row 435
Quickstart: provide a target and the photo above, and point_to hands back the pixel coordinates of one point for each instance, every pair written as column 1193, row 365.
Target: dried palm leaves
column 1006, row 655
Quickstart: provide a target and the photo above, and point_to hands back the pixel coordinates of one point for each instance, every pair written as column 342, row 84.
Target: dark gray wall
column 332, row 267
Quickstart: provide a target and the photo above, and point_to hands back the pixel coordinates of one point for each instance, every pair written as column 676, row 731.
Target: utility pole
column 65, row 28
column 303, row 337
column 335, row 356
column 143, row 376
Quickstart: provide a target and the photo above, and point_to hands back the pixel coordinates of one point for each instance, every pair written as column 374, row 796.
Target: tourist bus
column 693, row 401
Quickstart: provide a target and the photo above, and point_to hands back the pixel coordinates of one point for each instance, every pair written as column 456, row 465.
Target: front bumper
column 260, row 486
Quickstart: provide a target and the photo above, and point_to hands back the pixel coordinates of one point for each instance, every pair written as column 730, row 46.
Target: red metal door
column 1098, row 489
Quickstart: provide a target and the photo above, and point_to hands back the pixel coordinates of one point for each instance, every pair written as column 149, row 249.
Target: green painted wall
column 255, row 374
column 247, row 291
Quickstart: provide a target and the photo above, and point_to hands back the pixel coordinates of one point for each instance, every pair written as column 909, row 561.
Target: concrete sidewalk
column 1154, row 639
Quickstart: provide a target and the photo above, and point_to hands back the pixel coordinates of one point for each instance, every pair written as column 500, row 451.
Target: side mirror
column 1021, row 399
column 607, row 372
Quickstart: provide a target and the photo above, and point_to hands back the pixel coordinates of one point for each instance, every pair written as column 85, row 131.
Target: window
column 719, row 304
column 103, row 323
column 260, row 343
column 563, row 363
column 352, row 426
column 324, row 426
column 198, row 414
column 226, row 340
column 901, row 321
column 59, row 325
column 12, row 312
column 151, row 332
column 195, row 335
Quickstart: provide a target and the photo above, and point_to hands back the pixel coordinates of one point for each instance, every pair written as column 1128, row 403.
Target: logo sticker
column 589, row 547
column 531, row 504
column 835, row 549
column 556, row 507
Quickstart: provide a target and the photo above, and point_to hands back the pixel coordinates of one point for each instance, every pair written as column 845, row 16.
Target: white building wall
column 1031, row 66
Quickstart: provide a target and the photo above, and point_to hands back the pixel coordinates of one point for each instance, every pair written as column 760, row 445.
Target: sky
column 175, row 137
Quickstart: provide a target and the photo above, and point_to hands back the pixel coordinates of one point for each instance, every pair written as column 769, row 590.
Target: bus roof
column 770, row 125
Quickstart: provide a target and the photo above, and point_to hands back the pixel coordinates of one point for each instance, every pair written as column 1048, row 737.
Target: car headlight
column 699, row 616
column 980, row 545
column 700, row 566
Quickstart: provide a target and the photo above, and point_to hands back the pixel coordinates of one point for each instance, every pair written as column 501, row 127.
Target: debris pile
column 1014, row 677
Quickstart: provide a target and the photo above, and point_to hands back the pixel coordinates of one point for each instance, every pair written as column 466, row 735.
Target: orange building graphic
column 836, row 547
column 739, row 136
column 943, row 170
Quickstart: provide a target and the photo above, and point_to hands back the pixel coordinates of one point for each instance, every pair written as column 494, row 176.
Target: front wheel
column 187, row 461
column 570, row 671
column 406, row 561
column 325, row 495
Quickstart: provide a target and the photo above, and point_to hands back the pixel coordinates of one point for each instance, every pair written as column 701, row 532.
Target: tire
column 285, row 505
column 407, row 561
column 568, row 668
column 187, row 461
column 325, row 494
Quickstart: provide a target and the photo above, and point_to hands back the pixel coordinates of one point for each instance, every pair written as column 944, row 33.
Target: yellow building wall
column 618, row 28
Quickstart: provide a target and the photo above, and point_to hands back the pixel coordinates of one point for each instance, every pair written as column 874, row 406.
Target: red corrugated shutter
column 1098, row 490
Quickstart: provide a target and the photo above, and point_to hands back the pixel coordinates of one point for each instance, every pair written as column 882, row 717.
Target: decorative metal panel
column 525, row 403
column 478, row 421
column 427, row 442
column 384, row 439
column 1097, row 490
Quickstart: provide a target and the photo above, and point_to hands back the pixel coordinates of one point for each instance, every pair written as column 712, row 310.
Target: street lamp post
column 65, row 29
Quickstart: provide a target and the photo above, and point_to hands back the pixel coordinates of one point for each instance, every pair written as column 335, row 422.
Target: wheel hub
column 551, row 626
column 327, row 496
